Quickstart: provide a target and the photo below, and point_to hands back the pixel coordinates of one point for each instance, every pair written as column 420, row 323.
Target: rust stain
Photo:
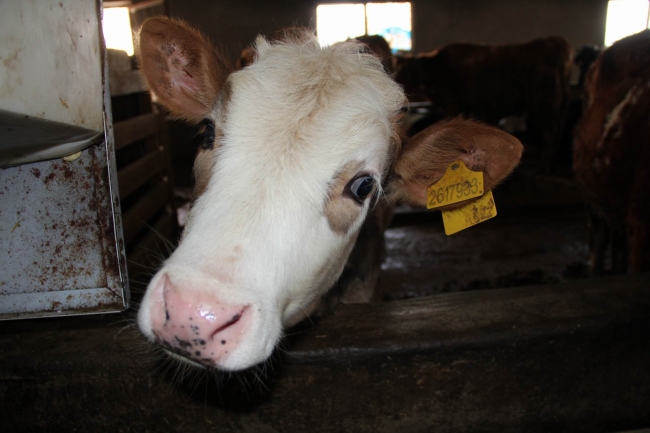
column 49, row 177
column 63, row 103
column 15, row 226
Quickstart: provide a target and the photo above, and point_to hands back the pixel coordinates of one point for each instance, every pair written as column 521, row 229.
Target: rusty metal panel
column 60, row 252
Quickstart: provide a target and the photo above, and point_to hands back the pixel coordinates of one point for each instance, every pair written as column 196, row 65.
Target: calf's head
column 298, row 146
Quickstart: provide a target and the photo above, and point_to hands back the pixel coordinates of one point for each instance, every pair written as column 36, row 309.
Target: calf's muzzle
column 197, row 325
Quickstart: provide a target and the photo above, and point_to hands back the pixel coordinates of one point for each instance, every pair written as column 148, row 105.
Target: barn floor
column 507, row 251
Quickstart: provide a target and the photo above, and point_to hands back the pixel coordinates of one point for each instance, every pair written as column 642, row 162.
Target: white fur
column 295, row 118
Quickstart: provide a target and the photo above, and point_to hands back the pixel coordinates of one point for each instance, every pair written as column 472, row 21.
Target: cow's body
column 492, row 82
column 298, row 148
column 612, row 154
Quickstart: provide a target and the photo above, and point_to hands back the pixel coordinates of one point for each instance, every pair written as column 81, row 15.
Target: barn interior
column 513, row 324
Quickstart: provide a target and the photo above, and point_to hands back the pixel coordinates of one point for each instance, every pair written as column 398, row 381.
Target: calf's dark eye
column 208, row 134
column 361, row 187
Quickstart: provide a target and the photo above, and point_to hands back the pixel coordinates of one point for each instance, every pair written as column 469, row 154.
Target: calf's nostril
column 234, row 319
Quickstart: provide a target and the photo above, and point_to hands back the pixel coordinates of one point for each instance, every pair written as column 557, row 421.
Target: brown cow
column 379, row 46
column 612, row 154
column 491, row 82
column 246, row 57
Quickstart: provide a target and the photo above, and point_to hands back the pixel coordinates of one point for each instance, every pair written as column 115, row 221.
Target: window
column 624, row 18
column 338, row 22
column 116, row 24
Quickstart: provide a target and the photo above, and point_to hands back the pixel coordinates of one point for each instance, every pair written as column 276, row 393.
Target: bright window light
column 392, row 21
column 339, row 22
column 117, row 29
column 624, row 18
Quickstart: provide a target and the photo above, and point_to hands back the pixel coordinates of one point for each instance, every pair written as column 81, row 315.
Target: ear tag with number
column 457, row 184
column 469, row 215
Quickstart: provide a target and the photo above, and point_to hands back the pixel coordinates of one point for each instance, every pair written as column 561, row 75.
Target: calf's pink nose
column 197, row 325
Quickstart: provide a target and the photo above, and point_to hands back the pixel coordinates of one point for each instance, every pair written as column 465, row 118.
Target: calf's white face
column 302, row 139
column 297, row 145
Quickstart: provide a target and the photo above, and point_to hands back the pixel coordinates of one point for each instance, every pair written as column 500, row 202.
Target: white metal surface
column 51, row 70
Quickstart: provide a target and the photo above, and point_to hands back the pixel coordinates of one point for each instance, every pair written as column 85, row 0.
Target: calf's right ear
column 425, row 158
column 180, row 67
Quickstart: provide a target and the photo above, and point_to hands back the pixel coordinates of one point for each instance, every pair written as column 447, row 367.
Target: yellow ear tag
column 469, row 215
column 458, row 183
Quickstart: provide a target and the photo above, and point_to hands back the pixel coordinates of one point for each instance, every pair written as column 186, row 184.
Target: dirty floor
column 510, row 250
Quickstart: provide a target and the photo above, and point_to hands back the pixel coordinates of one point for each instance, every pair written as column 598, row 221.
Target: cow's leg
column 639, row 247
column 638, row 230
column 598, row 234
column 542, row 130
column 619, row 249
column 545, row 119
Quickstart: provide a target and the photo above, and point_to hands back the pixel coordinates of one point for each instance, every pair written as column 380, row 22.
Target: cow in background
column 379, row 46
column 612, row 155
column 301, row 158
column 246, row 57
column 493, row 82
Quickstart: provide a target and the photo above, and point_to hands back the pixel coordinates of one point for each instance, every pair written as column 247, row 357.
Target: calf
column 491, row 82
column 302, row 152
column 612, row 155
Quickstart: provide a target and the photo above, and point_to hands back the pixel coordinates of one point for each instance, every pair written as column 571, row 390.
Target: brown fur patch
column 203, row 166
column 342, row 211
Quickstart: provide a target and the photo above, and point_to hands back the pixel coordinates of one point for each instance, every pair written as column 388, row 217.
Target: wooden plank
column 476, row 318
column 134, row 129
column 136, row 174
column 135, row 218
column 587, row 372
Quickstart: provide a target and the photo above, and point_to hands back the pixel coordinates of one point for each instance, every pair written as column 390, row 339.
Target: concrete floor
column 508, row 251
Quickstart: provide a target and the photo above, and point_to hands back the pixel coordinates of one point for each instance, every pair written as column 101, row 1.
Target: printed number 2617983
column 458, row 190
column 457, row 184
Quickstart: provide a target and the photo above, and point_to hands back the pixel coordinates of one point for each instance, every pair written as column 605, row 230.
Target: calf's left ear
column 425, row 158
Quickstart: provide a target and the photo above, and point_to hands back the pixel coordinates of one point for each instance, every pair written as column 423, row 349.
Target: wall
column 234, row 24
column 440, row 22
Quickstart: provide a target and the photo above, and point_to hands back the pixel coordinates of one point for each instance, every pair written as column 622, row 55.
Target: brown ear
column 181, row 67
column 424, row 159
